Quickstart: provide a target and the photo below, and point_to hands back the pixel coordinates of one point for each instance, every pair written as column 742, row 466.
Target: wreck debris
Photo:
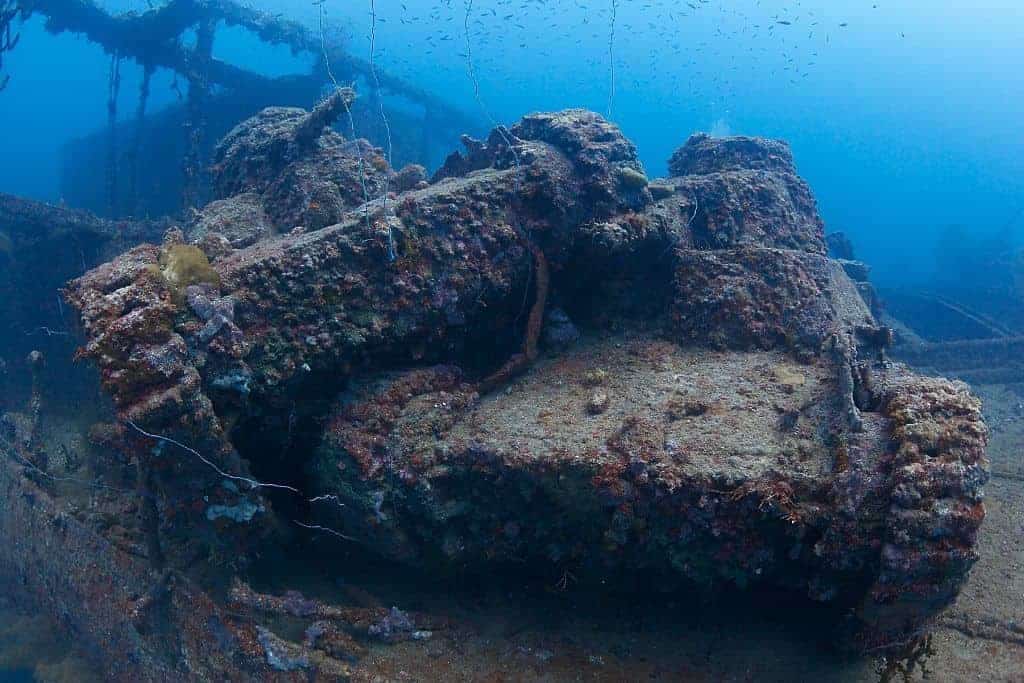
column 103, row 594
column 312, row 126
column 981, row 361
column 284, row 656
column 331, row 637
column 906, row 660
column 390, row 625
column 333, row 640
column 985, row 627
column 598, row 402
column 720, row 460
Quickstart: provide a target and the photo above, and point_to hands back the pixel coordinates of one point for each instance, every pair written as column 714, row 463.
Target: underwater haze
column 479, row 340
column 905, row 116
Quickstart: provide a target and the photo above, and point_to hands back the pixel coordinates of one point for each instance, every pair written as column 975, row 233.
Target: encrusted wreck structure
column 539, row 355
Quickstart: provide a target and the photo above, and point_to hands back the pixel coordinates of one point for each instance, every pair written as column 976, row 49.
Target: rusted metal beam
column 151, row 39
column 980, row 361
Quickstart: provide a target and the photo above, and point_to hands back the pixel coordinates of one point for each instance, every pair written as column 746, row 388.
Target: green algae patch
column 632, row 179
column 186, row 264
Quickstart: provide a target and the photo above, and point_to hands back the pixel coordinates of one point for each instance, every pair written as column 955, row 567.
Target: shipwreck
column 538, row 355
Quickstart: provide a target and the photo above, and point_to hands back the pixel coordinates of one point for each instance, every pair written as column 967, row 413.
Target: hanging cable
column 140, row 130
column 113, row 90
column 476, row 90
column 198, row 96
column 611, row 59
column 387, row 126
column 322, row 19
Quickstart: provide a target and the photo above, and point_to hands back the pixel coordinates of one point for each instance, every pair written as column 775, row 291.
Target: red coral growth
column 361, row 429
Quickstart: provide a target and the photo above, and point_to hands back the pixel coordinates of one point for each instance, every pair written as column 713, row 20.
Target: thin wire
column 317, row 527
column 252, row 482
column 327, row 497
column 113, row 92
column 476, row 90
column 10, row 450
column 387, row 125
column 376, row 79
column 322, row 15
column 611, row 59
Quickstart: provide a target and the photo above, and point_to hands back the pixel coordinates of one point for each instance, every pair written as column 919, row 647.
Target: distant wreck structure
column 537, row 356
column 176, row 143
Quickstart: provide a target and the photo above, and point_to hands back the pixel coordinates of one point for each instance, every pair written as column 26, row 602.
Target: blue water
column 16, row 677
column 904, row 116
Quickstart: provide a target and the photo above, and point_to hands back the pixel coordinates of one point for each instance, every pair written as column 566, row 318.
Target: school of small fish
column 695, row 51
